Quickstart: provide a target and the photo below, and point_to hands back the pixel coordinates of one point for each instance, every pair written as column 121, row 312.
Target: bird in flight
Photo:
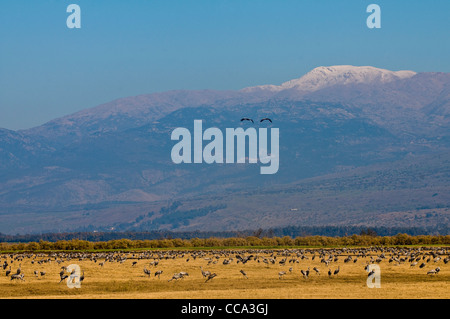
column 250, row 120
column 247, row 119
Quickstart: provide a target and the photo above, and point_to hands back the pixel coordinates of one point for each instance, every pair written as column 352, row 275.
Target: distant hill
column 358, row 146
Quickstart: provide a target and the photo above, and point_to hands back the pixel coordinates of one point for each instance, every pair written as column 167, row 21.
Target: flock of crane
column 421, row 257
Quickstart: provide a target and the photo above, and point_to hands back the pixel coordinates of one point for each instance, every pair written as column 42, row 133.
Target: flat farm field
column 297, row 273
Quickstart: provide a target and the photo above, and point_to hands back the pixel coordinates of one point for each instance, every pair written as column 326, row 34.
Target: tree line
column 215, row 242
column 291, row 231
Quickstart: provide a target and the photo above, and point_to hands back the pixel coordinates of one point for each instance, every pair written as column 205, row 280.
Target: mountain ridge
column 151, row 107
column 321, row 77
column 107, row 165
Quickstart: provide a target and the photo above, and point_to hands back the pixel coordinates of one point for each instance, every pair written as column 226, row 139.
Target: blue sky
column 127, row 48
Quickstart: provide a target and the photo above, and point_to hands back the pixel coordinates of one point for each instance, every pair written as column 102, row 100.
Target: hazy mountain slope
column 106, row 165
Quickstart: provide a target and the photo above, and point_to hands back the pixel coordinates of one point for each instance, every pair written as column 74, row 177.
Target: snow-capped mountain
column 356, row 85
column 110, row 165
column 322, row 77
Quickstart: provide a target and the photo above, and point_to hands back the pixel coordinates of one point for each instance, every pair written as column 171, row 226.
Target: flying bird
column 247, row 119
column 265, row 119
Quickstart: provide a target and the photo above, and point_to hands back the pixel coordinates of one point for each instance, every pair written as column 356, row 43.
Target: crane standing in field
column 336, row 271
column 179, row 275
column 305, row 273
column 17, row 277
column 64, row 276
column 211, row 276
column 205, row 273
column 434, row 271
column 19, row 270
column 175, row 277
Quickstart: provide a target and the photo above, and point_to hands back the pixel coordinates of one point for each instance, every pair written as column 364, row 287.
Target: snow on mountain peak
column 321, row 77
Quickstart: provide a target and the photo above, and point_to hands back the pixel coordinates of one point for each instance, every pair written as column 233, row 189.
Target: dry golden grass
column 122, row 280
